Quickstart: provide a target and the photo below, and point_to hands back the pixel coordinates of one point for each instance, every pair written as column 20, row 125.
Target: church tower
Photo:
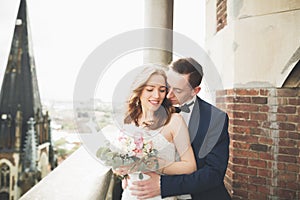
column 26, row 153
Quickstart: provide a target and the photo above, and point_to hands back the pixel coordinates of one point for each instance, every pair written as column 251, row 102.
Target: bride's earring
column 137, row 103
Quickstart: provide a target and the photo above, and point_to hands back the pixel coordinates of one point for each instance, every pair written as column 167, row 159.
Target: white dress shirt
column 187, row 116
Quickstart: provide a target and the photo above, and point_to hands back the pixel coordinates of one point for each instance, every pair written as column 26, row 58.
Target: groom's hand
column 148, row 188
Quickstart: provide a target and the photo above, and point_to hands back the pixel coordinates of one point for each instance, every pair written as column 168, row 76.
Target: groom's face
column 180, row 90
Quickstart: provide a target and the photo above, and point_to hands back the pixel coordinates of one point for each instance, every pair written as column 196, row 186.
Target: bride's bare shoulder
column 176, row 118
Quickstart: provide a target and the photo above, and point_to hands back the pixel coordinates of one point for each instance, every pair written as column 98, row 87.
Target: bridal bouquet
column 135, row 152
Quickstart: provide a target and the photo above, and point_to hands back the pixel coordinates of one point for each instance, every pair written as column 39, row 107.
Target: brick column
column 264, row 150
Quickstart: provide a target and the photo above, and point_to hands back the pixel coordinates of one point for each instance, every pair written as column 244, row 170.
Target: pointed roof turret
column 20, row 88
column 30, row 148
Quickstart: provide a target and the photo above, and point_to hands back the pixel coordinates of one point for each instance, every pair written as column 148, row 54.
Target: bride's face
column 153, row 93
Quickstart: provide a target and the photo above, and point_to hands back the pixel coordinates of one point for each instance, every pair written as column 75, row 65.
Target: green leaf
column 142, row 167
column 155, row 152
column 117, row 162
column 128, row 161
column 102, row 152
column 109, row 155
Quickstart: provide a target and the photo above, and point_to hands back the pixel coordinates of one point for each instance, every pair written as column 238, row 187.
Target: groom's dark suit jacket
column 209, row 136
column 208, row 128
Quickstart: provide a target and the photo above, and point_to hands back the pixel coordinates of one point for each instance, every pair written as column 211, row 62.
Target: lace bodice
column 166, row 149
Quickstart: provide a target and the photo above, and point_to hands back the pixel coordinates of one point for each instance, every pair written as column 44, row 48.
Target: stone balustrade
column 80, row 177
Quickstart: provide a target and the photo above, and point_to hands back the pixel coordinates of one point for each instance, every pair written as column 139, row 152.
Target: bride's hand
column 121, row 171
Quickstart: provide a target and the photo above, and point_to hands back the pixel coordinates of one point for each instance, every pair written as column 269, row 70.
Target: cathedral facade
column 26, row 152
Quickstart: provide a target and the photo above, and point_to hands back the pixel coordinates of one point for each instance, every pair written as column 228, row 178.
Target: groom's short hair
column 191, row 67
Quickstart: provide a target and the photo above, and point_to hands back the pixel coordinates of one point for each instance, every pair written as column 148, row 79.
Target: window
column 4, row 178
column 221, row 14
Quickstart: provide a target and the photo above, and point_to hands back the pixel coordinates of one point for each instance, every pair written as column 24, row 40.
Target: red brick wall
column 264, row 129
column 221, row 14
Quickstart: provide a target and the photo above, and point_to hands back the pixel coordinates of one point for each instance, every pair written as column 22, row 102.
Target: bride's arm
column 181, row 139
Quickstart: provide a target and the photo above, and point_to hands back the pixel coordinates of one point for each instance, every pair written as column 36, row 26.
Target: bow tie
column 184, row 108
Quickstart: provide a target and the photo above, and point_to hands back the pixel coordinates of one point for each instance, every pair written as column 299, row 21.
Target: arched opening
column 293, row 80
column 4, row 181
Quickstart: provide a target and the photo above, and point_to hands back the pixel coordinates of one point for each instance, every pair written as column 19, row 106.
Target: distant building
column 26, row 153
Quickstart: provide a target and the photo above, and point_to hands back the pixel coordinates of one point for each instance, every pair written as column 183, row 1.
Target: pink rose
column 139, row 142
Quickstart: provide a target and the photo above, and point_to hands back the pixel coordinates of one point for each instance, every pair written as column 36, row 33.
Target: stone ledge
column 79, row 177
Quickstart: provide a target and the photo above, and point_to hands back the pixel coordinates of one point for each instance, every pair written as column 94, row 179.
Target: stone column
column 158, row 14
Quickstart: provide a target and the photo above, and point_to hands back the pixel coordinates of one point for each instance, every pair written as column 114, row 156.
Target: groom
column 208, row 127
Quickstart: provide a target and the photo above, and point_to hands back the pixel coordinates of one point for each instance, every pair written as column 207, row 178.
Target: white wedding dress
column 166, row 151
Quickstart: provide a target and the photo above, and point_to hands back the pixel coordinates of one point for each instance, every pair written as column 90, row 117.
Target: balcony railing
column 80, row 177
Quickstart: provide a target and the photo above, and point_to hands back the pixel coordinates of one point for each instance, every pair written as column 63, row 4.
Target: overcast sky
column 65, row 32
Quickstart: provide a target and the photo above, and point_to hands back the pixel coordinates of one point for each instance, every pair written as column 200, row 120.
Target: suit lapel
column 214, row 130
column 194, row 121
column 201, row 125
column 205, row 127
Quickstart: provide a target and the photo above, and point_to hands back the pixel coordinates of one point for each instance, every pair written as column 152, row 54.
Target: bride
column 149, row 109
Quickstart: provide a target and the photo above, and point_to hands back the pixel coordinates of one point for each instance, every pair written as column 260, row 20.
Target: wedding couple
column 198, row 134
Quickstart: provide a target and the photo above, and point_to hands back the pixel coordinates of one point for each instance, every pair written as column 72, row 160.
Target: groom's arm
column 210, row 175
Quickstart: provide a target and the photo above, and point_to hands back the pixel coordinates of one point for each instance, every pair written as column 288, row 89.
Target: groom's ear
column 196, row 90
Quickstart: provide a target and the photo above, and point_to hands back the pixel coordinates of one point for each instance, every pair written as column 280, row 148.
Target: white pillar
column 158, row 14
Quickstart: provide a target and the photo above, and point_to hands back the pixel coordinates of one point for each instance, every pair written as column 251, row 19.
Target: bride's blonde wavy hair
column 134, row 109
